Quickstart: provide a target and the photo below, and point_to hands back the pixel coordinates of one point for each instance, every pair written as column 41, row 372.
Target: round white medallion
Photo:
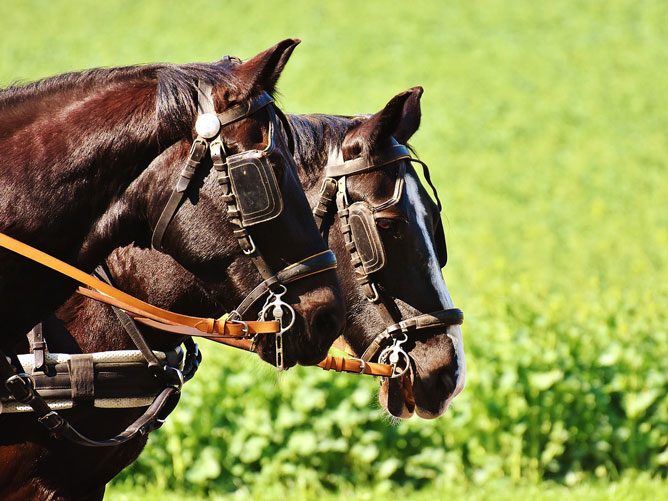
column 207, row 125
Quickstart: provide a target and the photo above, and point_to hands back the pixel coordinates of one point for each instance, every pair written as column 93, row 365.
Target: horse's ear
column 261, row 72
column 410, row 119
column 400, row 118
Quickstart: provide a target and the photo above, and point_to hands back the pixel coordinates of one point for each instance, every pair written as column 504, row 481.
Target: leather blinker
column 366, row 237
column 255, row 186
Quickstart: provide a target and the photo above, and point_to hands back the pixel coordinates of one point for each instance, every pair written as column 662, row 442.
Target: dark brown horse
column 410, row 232
column 74, row 183
column 407, row 234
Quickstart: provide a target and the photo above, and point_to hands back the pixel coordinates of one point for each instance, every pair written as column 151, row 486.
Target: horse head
column 237, row 217
column 391, row 249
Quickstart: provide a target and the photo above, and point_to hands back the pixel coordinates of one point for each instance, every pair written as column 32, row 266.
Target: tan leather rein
column 161, row 319
column 231, row 333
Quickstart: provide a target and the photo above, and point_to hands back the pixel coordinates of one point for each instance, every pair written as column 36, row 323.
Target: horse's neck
column 146, row 274
column 73, row 152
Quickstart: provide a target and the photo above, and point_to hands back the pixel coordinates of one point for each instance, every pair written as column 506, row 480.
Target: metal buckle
column 235, row 317
column 328, row 187
column 175, row 375
column 252, row 249
column 363, row 362
column 21, row 382
column 53, row 421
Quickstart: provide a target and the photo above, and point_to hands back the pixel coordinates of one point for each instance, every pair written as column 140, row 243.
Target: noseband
column 362, row 239
column 252, row 196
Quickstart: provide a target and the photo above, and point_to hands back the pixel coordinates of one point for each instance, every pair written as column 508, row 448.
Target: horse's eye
column 386, row 224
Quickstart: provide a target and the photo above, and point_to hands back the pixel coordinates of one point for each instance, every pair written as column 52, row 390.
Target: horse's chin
column 266, row 349
column 396, row 396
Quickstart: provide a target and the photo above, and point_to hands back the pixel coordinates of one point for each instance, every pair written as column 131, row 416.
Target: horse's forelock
column 176, row 94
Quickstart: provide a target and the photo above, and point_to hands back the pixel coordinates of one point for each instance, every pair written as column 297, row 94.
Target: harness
column 252, row 196
column 368, row 257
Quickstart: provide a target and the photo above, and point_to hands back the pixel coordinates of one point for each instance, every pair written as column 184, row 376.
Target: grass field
column 633, row 488
column 545, row 128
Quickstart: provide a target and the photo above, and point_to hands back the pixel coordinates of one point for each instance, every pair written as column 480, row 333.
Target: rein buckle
column 21, row 386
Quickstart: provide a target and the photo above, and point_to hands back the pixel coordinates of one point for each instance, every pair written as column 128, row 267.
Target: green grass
column 545, row 128
column 631, row 488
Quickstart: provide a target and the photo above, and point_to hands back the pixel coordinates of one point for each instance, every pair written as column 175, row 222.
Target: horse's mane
column 175, row 92
column 314, row 129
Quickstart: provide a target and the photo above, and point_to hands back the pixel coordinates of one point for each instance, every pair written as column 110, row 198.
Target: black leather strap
column 38, row 348
column 129, row 324
column 197, row 152
column 358, row 165
column 241, row 110
column 82, row 379
column 150, row 420
column 312, row 265
column 437, row 319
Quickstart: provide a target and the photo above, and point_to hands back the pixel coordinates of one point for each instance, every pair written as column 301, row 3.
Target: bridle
column 252, row 196
column 362, row 239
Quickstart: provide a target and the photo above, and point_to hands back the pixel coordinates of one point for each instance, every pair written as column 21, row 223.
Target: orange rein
column 231, row 333
column 163, row 319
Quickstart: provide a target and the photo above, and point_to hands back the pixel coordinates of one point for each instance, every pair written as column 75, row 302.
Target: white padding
column 59, row 405
column 119, row 356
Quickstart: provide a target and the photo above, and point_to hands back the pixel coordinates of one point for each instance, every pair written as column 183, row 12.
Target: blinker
column 366, row 237
column 255, row 187
column 253, row 181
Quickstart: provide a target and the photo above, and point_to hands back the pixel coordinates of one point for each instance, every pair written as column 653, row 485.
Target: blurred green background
column 544, row 124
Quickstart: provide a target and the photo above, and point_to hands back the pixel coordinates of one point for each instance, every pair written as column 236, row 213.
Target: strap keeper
column 220, row 326
column 247, row 245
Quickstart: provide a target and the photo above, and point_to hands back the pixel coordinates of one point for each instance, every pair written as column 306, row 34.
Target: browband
column 358, row 165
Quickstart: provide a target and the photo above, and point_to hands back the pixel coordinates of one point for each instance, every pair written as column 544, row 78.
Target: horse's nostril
column 447, row 381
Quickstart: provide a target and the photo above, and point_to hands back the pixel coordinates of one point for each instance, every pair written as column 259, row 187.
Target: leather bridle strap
column 331, row 363
column 111, row 295
column 199, row 148
column 362, row 365
column 220, row 327
column 323, row 261
column 359, row 165
column 435, row 320
column 197, row 151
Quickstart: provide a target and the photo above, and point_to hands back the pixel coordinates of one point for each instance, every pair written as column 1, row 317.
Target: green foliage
column 632, row 487
column 545, row 128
